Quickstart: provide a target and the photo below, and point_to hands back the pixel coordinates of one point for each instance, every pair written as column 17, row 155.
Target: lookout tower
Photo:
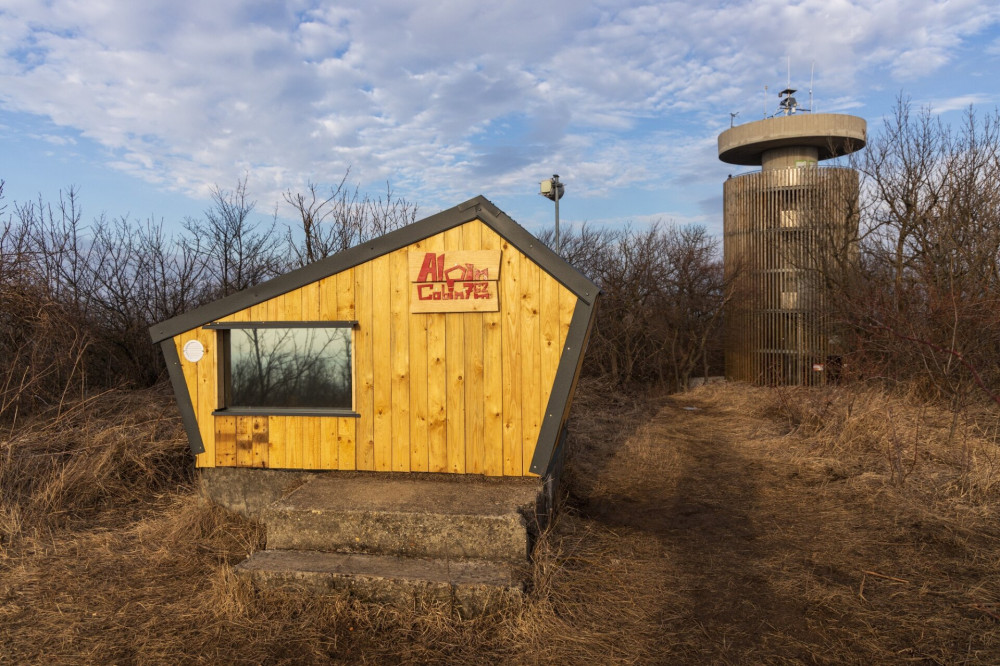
column 787, row 229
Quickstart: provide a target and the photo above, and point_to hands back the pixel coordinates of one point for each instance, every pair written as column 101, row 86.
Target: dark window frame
column 224, row 369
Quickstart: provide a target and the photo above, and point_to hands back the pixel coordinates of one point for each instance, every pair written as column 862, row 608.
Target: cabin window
column 286, row 367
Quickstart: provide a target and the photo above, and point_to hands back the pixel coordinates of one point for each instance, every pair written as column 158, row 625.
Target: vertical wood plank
column 492, row 378
column 276, row 442
column 260, row 441
column 345, row 295
column 551, row 349
column 510, row 308
column 309, row 301
column 346, row 437
column 274, row 310
column 328, row 299
column 293, row 442
column 329, row 443
column 531, row 361
column 364, row 372
column 437, row 382
column 225, row 441
column 291, row 305
column 475, row 453
column 364, row 368
column 347, row 428
column 244, row 441
column 257, row 312
column 455, row 364
column 417, row 335
column 382, row 366
column 399, row 327
column 309, row 429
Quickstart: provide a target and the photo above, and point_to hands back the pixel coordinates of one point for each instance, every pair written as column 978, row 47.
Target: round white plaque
column 193, row 350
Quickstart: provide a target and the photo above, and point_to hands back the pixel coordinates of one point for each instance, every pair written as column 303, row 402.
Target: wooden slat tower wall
column 785, row 229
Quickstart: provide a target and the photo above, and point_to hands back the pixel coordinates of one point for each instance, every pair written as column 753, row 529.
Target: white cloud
column 961, row 103
column 56, row 140
column 445, row 97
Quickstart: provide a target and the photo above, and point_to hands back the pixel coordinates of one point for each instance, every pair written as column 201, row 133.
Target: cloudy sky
column 144, row 106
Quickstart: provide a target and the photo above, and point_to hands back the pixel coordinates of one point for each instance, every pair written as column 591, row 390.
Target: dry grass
column 91, row 459
column 729, row 524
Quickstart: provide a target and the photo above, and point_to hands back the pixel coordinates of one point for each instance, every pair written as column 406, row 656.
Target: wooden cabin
column 450, row 345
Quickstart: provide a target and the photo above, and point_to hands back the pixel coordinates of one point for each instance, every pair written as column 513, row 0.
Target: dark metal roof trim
column 567, row 373
column 182, row 395
column 478, row 207
column 287, row 411
column 227, row 325
column 537, row 251
column 558, row 460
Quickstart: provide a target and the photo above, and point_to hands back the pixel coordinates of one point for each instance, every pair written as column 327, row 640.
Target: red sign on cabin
column 456, row 281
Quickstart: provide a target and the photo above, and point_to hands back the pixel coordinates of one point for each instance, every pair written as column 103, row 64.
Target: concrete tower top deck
column 781, row 141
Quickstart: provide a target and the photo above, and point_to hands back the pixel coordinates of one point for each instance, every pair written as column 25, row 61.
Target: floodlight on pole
column 551, row 188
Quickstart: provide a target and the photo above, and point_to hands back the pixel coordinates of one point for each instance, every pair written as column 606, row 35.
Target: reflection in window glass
column 290, row 367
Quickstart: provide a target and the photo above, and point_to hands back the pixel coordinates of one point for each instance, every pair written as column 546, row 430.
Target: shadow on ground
column 739, row 550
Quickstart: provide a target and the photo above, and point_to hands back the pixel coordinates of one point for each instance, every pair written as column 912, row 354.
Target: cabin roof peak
column 476, row 208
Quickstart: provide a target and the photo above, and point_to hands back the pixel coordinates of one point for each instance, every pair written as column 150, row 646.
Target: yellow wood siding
column 346, row 429
column 364, row 392
column 455, row 369
column 382, row 363
column 461, row 392
column 475, row 452
column 437, row 382
column 417, row 334
column 510, row 357
column 493, row 379
column 259, row 440
column 399, row 353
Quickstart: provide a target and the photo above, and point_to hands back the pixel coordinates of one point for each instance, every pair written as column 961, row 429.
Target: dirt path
column 713, row 538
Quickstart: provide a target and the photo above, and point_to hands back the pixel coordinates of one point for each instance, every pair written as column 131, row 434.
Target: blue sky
column 144, row 106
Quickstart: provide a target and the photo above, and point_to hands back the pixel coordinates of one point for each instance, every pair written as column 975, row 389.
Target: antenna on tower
column 812, row 68
column 732, row 118
column 788, row 104
column 765, row 100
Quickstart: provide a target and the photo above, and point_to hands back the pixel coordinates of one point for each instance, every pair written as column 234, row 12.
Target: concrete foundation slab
column 403, row 516
column 248, row 491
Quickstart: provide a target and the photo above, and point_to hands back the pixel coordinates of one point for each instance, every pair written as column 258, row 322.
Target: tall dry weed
column 112, row 450
column 897, row 432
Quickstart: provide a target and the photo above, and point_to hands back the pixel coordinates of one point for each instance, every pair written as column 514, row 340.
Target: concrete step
column 470, row 587
column 478, row 519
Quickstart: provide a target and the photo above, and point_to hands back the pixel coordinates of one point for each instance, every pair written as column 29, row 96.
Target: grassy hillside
column 729, row 524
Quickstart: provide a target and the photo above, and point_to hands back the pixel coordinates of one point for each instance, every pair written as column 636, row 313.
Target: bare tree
column 926, row 300
column 342, row 218
column 662, row 297
column 697, row 291
column 42, row 340
column 238, row 252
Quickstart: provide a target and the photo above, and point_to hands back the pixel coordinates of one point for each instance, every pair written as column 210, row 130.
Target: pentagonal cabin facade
column 452, row 345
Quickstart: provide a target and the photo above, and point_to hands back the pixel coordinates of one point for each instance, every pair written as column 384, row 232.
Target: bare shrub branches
column 926, row 300
column 237, row 252
column 77, row 298
column 342, row 219
column 662, row 297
